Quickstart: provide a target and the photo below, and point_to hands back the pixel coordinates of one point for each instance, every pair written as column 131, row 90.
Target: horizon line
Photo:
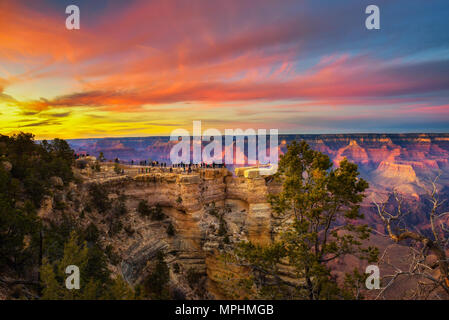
column 280, row 134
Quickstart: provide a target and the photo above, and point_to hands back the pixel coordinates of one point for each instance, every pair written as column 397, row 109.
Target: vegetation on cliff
column 322, row 204
column 48, row 220
column 28, row 171
column 34, row 251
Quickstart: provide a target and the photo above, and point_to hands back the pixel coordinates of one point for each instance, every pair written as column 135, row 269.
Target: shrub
column 112, row 256
column 91, row 233
column 115, row 227
column 157, row 214
column 178, row 294
column 143, row 208
column 156, row 284
column 212, row 210
column 119, row 208
column 171, row 230
column 99, row 198
column 222, row 230
column 193, row 277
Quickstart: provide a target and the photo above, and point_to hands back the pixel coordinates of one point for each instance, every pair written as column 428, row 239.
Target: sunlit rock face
column 403, row 161
column 213, row 209
column 210, row 209
column 199, row 204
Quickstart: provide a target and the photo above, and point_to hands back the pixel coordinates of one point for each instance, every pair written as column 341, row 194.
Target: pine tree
column 323, row 205
column 120, row 290
column 52, row 289
column 156, row 284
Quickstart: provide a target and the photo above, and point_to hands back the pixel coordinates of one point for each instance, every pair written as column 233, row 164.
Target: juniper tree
column 320, row 206
column 95, row 277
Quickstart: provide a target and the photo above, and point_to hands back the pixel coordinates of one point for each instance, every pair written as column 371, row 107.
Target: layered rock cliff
column 403, row 161
column 210, row 210
column 213, row 209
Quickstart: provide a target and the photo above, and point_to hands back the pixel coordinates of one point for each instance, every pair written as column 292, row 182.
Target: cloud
column 59, row 115
column 3, row 96
column 6, row 98
column 29, row 113
column 284, row 59
column 40, row 124
column 338, row 81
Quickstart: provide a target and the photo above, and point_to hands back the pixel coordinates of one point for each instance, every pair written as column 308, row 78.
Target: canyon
column 206, row 212
column 212, row 210
column 403, row 161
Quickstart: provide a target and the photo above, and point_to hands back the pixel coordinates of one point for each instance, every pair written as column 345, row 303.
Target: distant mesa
column 385, row 160
column 354, row 152
column 395, row 172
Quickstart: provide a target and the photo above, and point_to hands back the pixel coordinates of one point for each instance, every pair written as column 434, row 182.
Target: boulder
column 56, row 181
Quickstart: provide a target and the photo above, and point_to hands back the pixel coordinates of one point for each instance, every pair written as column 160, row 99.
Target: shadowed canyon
column 405, row 163
column 206, row 212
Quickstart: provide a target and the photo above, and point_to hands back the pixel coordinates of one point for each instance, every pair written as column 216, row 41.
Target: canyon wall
column 402, row 161
column 198, row 203
column 211, row 210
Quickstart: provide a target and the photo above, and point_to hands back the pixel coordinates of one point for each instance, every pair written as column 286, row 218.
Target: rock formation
column 385, row 160
column 212, row 209
column 209, row 209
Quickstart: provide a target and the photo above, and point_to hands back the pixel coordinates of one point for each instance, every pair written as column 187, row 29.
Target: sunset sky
column 138, row 68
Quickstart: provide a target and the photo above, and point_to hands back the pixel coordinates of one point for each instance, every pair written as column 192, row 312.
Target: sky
column 144, row 67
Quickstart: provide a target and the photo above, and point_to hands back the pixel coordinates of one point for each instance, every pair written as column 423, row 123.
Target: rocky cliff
column 404, row 161
column 210, row 210
column 213, row 209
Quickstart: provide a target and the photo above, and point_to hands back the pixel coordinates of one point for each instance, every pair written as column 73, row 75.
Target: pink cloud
column 164, row 52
